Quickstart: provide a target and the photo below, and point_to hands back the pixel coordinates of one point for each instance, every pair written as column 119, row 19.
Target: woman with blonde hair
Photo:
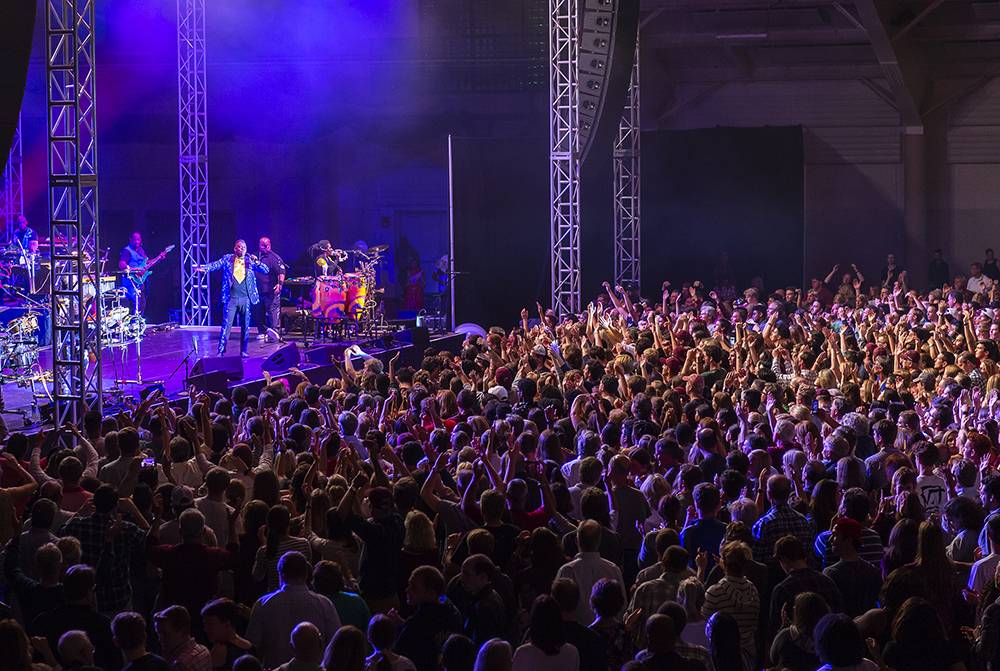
column 419, row 549
column 447, row 404
column 691, row 595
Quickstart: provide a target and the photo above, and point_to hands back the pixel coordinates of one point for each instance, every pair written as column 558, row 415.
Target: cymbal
column 378, row 249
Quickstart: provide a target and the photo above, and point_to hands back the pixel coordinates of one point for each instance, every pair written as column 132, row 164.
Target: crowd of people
column 802, row 480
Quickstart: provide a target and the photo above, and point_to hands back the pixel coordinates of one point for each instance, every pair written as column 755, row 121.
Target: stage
column 163, row 362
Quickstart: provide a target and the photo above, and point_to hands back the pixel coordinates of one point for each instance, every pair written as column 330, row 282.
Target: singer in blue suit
column 239, row 292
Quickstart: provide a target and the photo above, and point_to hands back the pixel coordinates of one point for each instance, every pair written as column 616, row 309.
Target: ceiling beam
column 978, row 32
column 960, row 95
column 902, row 75
column 725, row 5
column 756, row 37
column 879, row 90
column 681, row 74
column 934, row 4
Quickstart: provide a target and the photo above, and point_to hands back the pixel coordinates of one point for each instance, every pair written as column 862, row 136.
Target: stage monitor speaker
column 232, row 366
column 216, row 380
column 607, row 53
column 324, row 354
column 283, row 358
column 418, row 336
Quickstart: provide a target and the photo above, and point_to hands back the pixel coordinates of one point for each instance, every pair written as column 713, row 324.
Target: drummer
column 24, row 234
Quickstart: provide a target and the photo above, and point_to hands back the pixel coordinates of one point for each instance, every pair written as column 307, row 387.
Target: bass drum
column 357, row 293
column 329, row 298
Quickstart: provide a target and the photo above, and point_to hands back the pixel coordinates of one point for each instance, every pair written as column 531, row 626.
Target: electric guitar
column 137, row 276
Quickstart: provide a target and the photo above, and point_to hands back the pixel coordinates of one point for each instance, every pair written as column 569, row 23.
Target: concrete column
column 915, row 252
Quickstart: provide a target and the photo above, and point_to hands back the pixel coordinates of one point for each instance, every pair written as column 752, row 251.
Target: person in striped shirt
column 736, row 595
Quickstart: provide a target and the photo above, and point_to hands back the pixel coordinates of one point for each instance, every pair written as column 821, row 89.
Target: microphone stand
column 184, row 362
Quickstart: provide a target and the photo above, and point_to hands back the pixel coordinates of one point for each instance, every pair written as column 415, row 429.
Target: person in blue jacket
column 239, row 291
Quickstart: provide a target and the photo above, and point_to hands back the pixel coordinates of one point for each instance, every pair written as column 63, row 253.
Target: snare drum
column 135, row 327
column 114, row 318
column 357, row 292
column 329, row 298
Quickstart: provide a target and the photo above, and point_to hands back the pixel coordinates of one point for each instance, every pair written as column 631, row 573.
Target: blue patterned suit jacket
column 226, row 265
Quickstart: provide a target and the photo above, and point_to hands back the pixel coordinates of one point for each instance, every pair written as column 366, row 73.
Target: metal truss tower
column 626, row 167
column 193, row 145
column 564, row 155
column 73, row 211
column 12, row 195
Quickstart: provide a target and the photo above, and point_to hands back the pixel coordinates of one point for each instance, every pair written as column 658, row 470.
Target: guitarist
column 133, row 259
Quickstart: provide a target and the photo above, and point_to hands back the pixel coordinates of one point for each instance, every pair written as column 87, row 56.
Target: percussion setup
column 345, row 304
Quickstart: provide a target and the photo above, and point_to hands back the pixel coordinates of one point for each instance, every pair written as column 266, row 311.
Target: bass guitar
column 137, row 276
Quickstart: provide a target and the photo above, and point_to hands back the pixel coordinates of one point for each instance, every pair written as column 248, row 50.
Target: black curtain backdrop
column 704, row 192
column 18, row 27
column 501, row 213
column 735, row 190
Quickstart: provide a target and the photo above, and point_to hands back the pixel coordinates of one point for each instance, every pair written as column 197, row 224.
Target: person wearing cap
column 169, row 533
column 859, row 582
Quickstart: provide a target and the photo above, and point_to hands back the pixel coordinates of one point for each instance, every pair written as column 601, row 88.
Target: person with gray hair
column 588, row 444
column 865, row 445
column 792, row 463
column 307, row 648
column 75, row 650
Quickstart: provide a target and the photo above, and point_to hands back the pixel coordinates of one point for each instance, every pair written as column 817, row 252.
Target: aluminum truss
column 626, row 169
column 193, row 144
column 72, row 162
column 12, row 195
column 564, row 155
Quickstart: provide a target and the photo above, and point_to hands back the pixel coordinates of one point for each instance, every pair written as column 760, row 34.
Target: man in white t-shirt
column 978, row 283
column 933, row 489
column 213, row 504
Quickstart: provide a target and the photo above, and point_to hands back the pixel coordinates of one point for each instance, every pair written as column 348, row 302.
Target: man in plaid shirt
column 781, row 520
column 109, row 544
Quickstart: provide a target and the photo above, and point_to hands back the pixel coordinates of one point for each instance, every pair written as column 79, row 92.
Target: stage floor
column 162, row 353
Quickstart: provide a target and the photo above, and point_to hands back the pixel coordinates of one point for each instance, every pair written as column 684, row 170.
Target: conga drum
column 357, row 292
column 329, row 298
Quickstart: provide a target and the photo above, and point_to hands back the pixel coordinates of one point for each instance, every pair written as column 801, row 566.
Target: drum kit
column 349, row 301
column 120, row 326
